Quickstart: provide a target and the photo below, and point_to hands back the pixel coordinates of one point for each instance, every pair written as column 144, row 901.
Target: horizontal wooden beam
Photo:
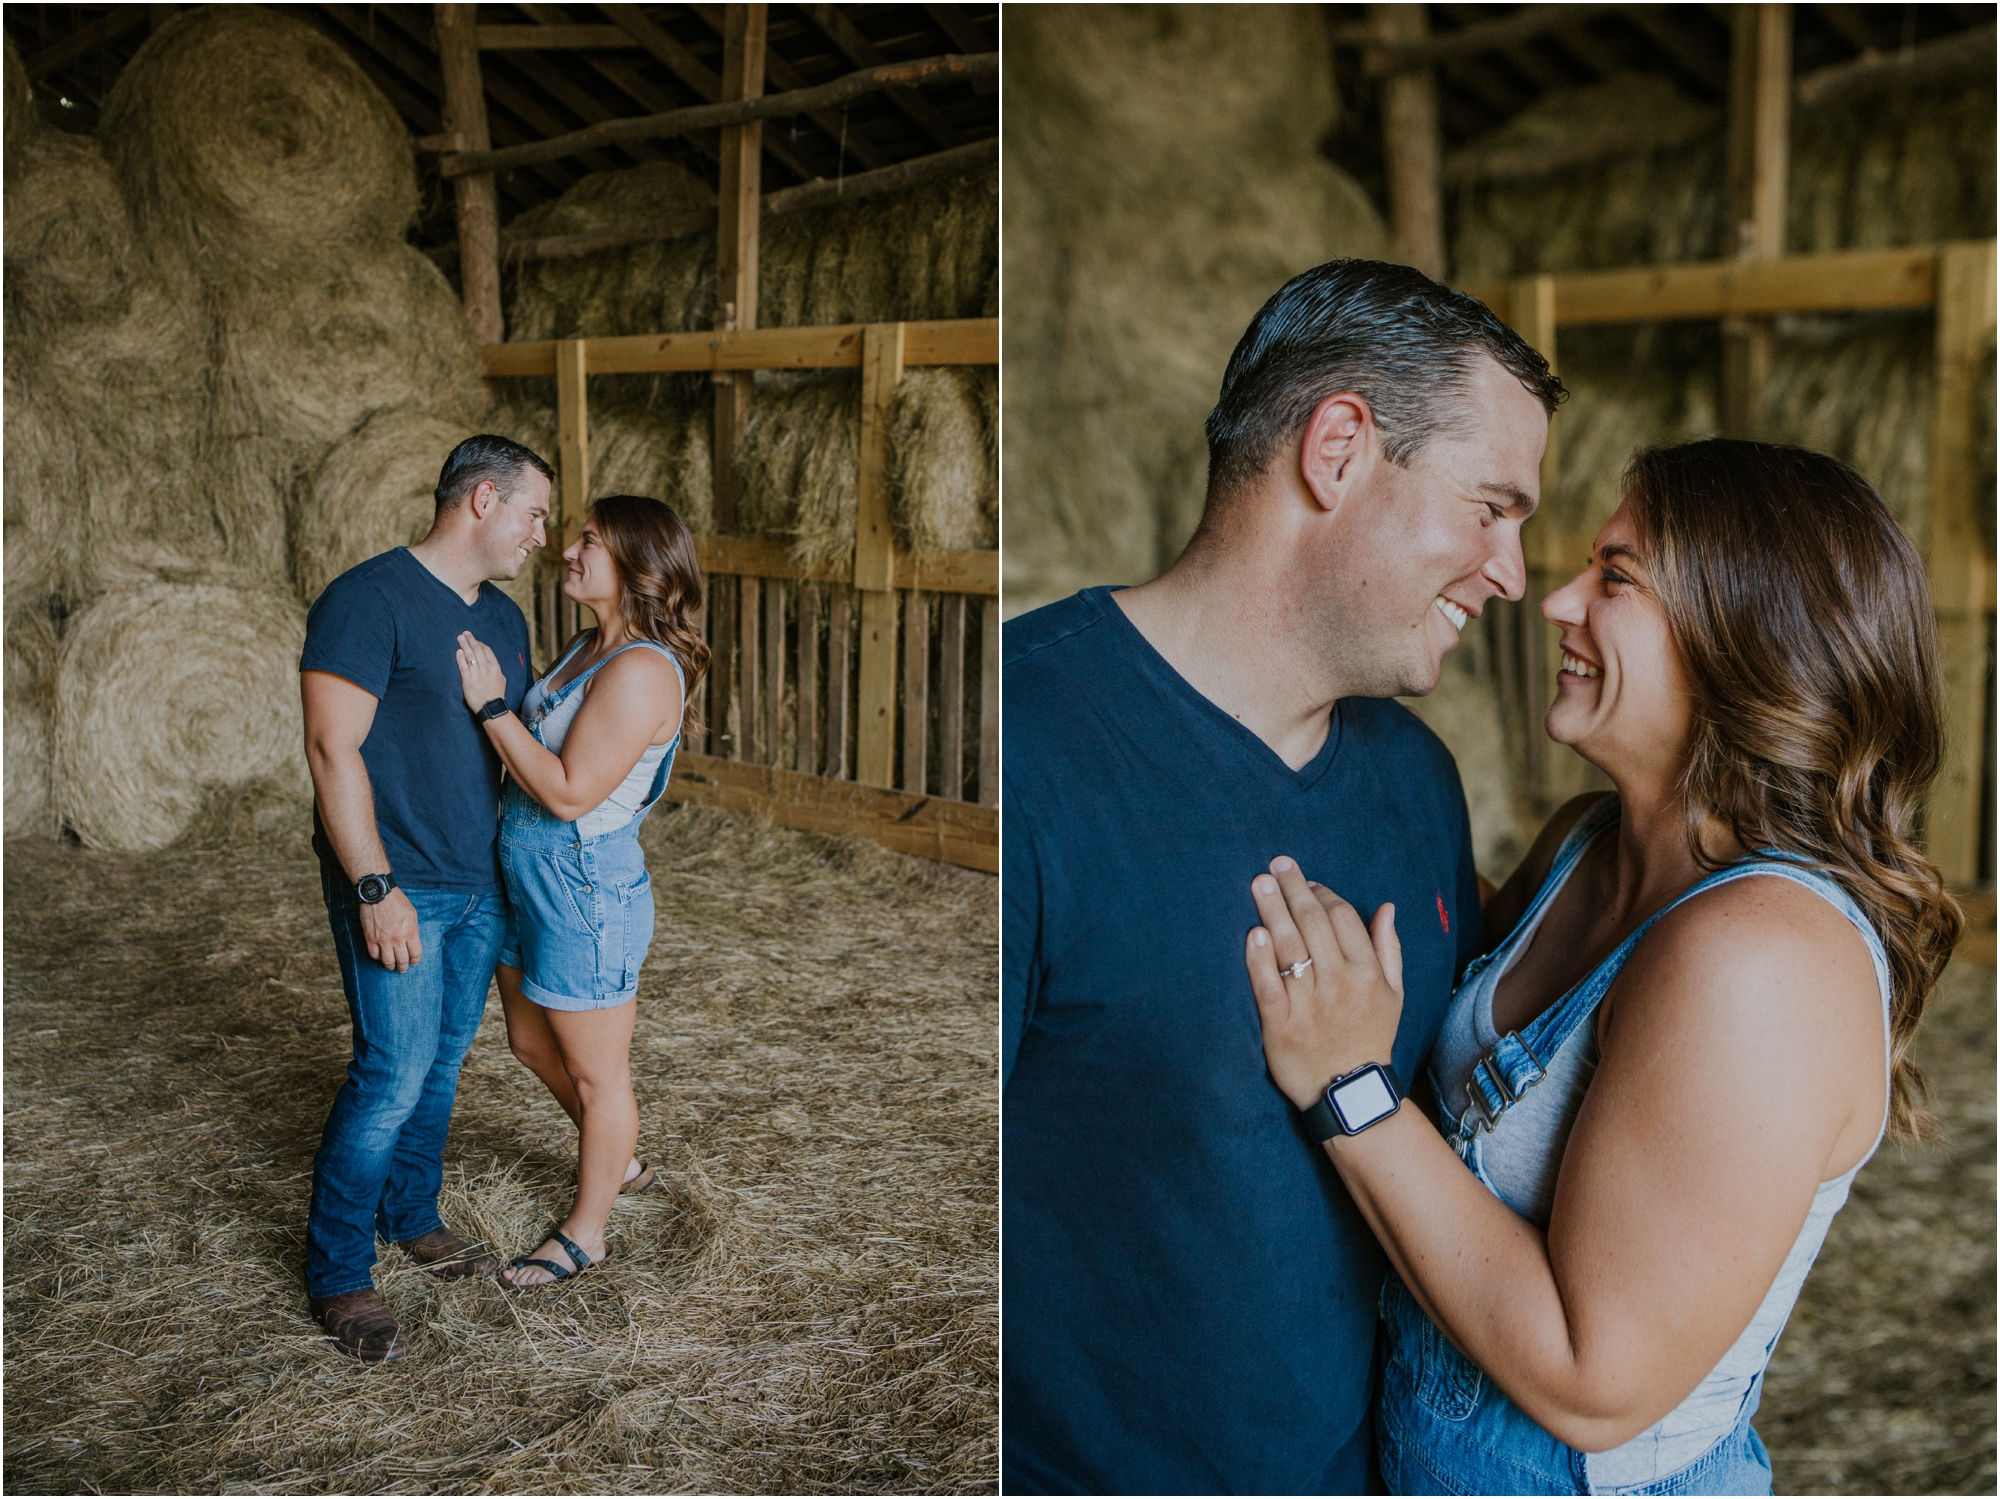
column 837, row 346
column 953, row 832
column 1963, row 53
column 924, row 73
column 87, row 39
column 1486, row 36
column 1848, row 281
column 976, row 572
column 818, row 193
column 551, row 38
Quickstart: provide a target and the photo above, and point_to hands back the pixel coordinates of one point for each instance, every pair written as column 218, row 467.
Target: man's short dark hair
column 1390, row 334
column 487, row 456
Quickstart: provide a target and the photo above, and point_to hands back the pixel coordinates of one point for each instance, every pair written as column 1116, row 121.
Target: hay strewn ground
column 1883, row 1382
column 810, row 1308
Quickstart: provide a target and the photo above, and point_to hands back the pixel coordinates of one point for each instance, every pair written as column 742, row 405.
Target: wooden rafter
column 845, row 35
column 848, row 137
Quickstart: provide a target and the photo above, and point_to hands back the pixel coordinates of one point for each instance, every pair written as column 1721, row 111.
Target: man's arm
column 338, row 716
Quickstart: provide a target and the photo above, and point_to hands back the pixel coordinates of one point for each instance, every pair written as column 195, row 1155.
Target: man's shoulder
column 1048, row 637
column 380, row 578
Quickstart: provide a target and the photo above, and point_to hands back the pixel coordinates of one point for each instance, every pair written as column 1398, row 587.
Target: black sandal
column 577, row 1257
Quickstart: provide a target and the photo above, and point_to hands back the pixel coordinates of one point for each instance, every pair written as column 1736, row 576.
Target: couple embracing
column 1328, row 1166
column 418, row 697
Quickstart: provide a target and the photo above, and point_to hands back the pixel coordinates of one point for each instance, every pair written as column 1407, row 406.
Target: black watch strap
column 493, row 709
column 1325, row 1121
column 373, row 889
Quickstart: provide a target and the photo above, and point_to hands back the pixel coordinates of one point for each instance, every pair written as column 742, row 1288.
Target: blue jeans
column 381, row 1156
column 1442, row 1427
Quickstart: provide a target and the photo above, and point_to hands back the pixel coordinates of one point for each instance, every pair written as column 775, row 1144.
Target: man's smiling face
column 1426, row 546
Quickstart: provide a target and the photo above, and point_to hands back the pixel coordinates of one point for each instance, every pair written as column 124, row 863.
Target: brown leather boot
column 362, row 1325
column 444, row 1254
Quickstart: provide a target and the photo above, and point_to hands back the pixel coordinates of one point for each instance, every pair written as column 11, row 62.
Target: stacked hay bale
column 930, row 252
column 228, row 379
column 1164, row 178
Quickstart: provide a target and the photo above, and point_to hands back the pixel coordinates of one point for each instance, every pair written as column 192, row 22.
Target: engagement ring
column 1298, row 969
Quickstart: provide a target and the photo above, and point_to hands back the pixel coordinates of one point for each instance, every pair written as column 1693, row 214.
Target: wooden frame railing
column 1956, row 280
column 892, row 716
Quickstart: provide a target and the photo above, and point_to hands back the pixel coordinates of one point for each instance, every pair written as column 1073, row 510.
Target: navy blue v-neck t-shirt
column 1189, row 1292
column 391, row 627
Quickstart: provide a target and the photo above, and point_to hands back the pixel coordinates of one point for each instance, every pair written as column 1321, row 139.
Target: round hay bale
column 242, row 135
column 165, row 692
column 944, row 487
column 796, row 463
column 68, row 242
column 662, row 451
column 43, row 483
column 374, row 490
column 29, row 703
column 314, row 354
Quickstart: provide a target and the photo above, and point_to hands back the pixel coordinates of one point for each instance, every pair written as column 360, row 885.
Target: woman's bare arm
column 1744, row 1059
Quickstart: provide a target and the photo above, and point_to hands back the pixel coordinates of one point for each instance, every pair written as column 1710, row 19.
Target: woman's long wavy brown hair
column 1805, row 619
column 659, row 582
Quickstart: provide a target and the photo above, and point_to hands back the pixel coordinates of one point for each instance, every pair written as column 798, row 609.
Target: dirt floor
column 1883, row 1381
column 810, row 1307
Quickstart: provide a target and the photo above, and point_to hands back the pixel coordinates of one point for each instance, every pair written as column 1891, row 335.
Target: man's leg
column 468, row 947
column 396, row 1020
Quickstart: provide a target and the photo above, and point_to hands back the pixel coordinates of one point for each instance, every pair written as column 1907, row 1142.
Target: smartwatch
column 1355, row 1100
column 492, row 710
column 373, row 889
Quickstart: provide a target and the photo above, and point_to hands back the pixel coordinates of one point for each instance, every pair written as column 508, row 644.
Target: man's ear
column 485, row 495
column 1337, row 445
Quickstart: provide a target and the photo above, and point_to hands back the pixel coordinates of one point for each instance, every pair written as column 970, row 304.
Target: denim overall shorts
column 579, row 905
column 1442, row 1426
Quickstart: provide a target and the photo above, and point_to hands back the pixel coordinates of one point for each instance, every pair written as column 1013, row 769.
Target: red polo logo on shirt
column 1444, row 920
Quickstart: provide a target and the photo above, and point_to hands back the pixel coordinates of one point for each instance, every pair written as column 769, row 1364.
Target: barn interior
column 264, row 267
column 1769, row 221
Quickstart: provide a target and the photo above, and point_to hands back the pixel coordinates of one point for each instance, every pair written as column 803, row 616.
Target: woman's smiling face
column 1622, row 698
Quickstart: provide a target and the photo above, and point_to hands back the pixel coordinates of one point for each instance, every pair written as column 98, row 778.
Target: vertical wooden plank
column 839, row 678
column 807, row 759
column 951, row 695
column 774, row 671
column 875, row 560
column 1411, row 145
column 573, row 457
column 916, row 690
column 1759, row 150
column 1531, row 311
column 704, row 741
column 749, row 670
column 476, row 198
column 989, row 701
column 722, row 665
column 736, row 250
column 1958, row 557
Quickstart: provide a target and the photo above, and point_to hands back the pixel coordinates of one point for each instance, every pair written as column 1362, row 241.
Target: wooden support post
column 1959, row 560
column 951, row 695
column 774, row 671
column 749, row 669
column 573, row 439
column 989, row 701
column 739, row 207
column 703, row 741
column 1411, row 145
column 839, row 678
column 807, row 758
column 477, row 198
column 1550, row 773
column 875, row 558
column 722, row 667
column 1760, row 98
column 916, row 690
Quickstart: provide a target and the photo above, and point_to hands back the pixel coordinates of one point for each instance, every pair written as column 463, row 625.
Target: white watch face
column 1362, row 1100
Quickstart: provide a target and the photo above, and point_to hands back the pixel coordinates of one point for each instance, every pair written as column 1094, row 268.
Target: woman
column 586, row 760
column 1695, row 1025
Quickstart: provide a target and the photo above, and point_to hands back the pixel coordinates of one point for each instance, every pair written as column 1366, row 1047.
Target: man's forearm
column 347, row 810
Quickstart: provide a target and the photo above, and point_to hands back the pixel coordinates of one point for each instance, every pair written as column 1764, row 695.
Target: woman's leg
column 595, row 1047
column 535, row 1047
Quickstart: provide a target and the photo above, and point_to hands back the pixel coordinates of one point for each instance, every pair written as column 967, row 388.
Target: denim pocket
column 635, row 899
column 579, row 894
column 1445, row 1381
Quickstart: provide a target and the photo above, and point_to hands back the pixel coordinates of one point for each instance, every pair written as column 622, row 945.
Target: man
column 406, row 793
column 1190, row 1294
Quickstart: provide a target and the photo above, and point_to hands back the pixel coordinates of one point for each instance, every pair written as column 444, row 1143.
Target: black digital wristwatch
column 373, row 889
column 1355, row 1100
